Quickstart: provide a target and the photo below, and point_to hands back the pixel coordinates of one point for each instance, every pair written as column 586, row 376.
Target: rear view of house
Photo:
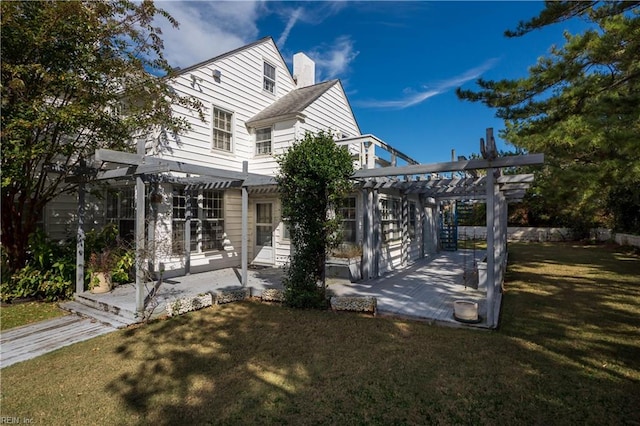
column 254, row 109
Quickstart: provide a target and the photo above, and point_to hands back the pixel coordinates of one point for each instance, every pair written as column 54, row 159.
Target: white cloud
column 413, row 98
column 207, row 29
column 293, row 18
column 334, row 60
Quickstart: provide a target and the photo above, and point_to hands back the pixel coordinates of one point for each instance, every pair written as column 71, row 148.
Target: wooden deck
column 424, row 290
column 29, row 341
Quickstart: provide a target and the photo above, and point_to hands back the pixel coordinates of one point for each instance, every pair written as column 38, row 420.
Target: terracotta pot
column 101, row 282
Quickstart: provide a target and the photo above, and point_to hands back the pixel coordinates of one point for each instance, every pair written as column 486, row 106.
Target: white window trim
column 197, row 223
column 354, row 220
column 213, row 129
column 412, row 229
column 275, row 77
column 394, row 220
column 263, row 154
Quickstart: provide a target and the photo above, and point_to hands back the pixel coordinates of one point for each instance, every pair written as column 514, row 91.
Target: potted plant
column 100, row 266
column 345, row 262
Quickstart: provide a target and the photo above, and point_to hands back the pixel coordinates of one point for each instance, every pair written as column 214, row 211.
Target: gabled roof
column 293, row 103
column 179, row 71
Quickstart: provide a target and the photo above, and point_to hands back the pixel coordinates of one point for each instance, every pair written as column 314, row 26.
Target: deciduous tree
column 76, row 76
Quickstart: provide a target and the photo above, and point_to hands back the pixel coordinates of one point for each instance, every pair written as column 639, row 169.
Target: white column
column 367, row 237
column 80, row 239
column 377, row 233
column 490, row 246
column 244, row 254
column 140, row 244
column 404, row 253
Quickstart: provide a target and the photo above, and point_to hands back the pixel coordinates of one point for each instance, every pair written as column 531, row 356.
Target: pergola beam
column 110, row 156
column 452, row 166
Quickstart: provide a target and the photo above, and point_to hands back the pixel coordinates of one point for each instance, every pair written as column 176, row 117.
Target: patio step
column 101, row 316
column 125, row 314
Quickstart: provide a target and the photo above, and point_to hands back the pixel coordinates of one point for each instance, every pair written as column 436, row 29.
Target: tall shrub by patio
column 314, row 175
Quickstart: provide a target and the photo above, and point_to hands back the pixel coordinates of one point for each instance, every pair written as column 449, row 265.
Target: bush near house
column 314, row 176
column 50, row 271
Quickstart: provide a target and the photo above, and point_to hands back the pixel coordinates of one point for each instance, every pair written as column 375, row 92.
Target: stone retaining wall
column 188, row 304
column 272, row 295
column 354, row 304
column 233, row 295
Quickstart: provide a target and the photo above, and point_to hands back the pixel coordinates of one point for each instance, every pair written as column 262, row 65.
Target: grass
column 567, row 352
column 15, row 315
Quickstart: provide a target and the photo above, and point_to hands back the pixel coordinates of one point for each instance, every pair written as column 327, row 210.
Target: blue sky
column 399, row 62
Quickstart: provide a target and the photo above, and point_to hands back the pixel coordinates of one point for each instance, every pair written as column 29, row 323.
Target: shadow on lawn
column 566, row 353
column 581, row 302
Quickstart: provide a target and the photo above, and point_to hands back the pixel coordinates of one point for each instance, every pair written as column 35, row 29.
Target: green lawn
column 26, row 313
column 567, row 352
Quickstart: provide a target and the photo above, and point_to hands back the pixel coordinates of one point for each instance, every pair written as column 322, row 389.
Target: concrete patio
column 425, row 290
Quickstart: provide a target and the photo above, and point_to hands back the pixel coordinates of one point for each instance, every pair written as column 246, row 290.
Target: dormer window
column 269, row 80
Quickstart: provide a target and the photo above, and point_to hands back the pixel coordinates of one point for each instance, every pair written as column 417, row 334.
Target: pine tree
column 580, row 105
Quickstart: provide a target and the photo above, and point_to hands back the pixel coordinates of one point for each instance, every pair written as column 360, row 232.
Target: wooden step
column 105, row 317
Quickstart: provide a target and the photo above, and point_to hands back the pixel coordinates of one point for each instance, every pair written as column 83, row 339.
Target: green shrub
column 51, row 266
column 123, row 272
column 313, row 179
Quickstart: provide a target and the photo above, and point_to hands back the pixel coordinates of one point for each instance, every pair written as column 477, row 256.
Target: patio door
column 264, row 249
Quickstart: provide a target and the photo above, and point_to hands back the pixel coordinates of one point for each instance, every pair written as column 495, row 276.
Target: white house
column 254, row 109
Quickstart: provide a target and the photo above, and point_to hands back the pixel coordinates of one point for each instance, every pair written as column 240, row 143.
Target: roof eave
column 272, row 120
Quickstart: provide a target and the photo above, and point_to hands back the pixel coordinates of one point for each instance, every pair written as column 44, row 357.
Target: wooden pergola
column 145, row 168
column 493, row 188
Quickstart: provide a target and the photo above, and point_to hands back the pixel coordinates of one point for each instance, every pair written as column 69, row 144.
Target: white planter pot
column 466, row 311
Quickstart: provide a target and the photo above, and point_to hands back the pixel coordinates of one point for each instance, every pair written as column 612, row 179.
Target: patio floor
column 424, row 290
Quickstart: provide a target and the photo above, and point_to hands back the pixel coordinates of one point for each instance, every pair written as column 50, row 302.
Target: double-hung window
column 222, row 129
column 121, row 211
column 263, row 141
column 412, row 219
column 212, row 220
column 391, row 215
column 205, row 211
column 347, row 213
column 269, row 79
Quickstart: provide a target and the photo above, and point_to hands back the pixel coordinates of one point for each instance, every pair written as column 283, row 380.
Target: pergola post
column 491, row 186
column 502, row 225
column 187, row 232
column 140, row 245
column 367, row 238
column 404, row 254
column 80, row 239
column 139, row 227
column 437, row 225
column 423, row 224
column 377, row 233
column 244, row 254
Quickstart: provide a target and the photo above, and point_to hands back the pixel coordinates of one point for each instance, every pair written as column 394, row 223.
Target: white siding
column 331, row 111
column 239, row 91
column 282, row 137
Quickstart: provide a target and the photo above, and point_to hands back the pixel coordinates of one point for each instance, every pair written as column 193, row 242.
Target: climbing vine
column 314, row 175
